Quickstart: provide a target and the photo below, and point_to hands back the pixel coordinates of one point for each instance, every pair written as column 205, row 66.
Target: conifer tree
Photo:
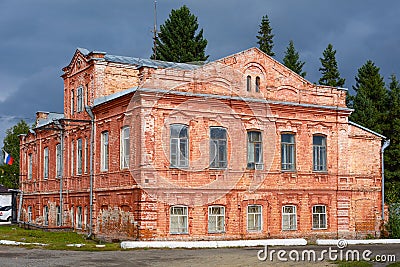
column 291, row 60
column 392, row 153
column 9, row 174
column 177, row 40
column 369, row 103
column 329, row 69
column 265, row 37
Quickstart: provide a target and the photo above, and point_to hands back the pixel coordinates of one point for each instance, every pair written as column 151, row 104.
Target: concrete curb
column 213, row 244
column 334, row 242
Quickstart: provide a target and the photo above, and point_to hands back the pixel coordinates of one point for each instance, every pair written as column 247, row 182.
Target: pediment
column 78, row 62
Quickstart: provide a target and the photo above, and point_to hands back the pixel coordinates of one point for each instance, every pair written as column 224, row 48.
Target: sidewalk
column 250, row 243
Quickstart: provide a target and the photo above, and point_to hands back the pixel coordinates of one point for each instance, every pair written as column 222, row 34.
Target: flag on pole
column 7, row 158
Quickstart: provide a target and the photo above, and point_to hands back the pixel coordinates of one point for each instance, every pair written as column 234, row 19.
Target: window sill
column 184, row 233
column 316, row 229
column 320, row 172
column 289, row 171
column 289, row 229
column 217, row 232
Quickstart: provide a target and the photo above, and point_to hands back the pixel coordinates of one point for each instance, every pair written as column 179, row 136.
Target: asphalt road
column 18, row 256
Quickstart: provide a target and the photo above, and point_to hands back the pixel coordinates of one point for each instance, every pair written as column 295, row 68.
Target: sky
column 38, row 38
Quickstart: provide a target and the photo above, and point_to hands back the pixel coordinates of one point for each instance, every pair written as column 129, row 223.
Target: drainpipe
column 384, row 146
column 91, row 115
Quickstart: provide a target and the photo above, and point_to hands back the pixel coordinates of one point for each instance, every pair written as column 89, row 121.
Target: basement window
column 179, row 220
column 216, row 219
column 289, row 219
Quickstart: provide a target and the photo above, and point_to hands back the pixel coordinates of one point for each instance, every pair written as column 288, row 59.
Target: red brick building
column 241, row 147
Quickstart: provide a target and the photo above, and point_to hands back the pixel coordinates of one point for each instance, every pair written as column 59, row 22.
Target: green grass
column 54, row 240
column 394, row 264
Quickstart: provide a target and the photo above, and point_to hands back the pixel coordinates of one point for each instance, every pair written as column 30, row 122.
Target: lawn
column 54, row 240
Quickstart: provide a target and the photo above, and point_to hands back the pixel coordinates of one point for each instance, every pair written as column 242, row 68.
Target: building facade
column 241, row 147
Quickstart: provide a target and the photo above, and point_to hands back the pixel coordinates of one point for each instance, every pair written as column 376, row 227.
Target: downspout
column 384, row 146
column 61, row 174
column 57, row 122
column 91, row 115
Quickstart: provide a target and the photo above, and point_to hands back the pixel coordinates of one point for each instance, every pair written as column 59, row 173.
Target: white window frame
column 59, row 162
column 179, row 217
column 79, row 156
column 288, row 153
column 289, row 218
column 216, row 219
column 29, row 214
column 104, row 164
column 79, row 98
column 254, row 218
column 179, row 146
column 319, row 219
column 45, row 215
column 125, row 147
column 46, row 163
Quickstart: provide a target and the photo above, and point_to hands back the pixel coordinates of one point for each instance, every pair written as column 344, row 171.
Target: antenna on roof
column 155, row 30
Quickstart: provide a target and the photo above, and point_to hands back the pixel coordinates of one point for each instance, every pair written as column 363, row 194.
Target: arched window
column 257, row 84
column 248, row 83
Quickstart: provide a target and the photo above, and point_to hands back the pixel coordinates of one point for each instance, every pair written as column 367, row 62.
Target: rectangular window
column 72, row 217
column 289, row 220
column 319, row 217
column 179, row 146
column 79, row 217
column 29, row 214
column 30, row 166
column 179, row 220
column 59, row 166
column 288, row 152
column 319, row 153
column 254, row 150
column 218, row 154
column 125, row 147
column 46, row 163
column 46, row 215
column 58, row 216
column 104, row 151
column 72, row 102
column 79, row 156
column 86, row 155
column 79, row 96
column 216, row 219
column 72, row 157
column 254, row 217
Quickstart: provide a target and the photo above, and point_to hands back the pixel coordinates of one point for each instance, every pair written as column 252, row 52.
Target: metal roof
column 51, row 117
column 141, row 62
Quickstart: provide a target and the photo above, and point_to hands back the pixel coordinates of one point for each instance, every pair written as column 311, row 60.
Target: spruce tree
column 329, row 69
column 177, row 40
column 265, row 37
column 369, row 103
column 291, row 60
column 392, row 131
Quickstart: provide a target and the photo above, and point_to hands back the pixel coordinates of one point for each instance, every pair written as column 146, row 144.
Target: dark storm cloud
column 38, row 38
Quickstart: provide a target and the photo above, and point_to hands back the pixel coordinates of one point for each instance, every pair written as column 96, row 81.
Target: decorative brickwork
column 332, row 188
